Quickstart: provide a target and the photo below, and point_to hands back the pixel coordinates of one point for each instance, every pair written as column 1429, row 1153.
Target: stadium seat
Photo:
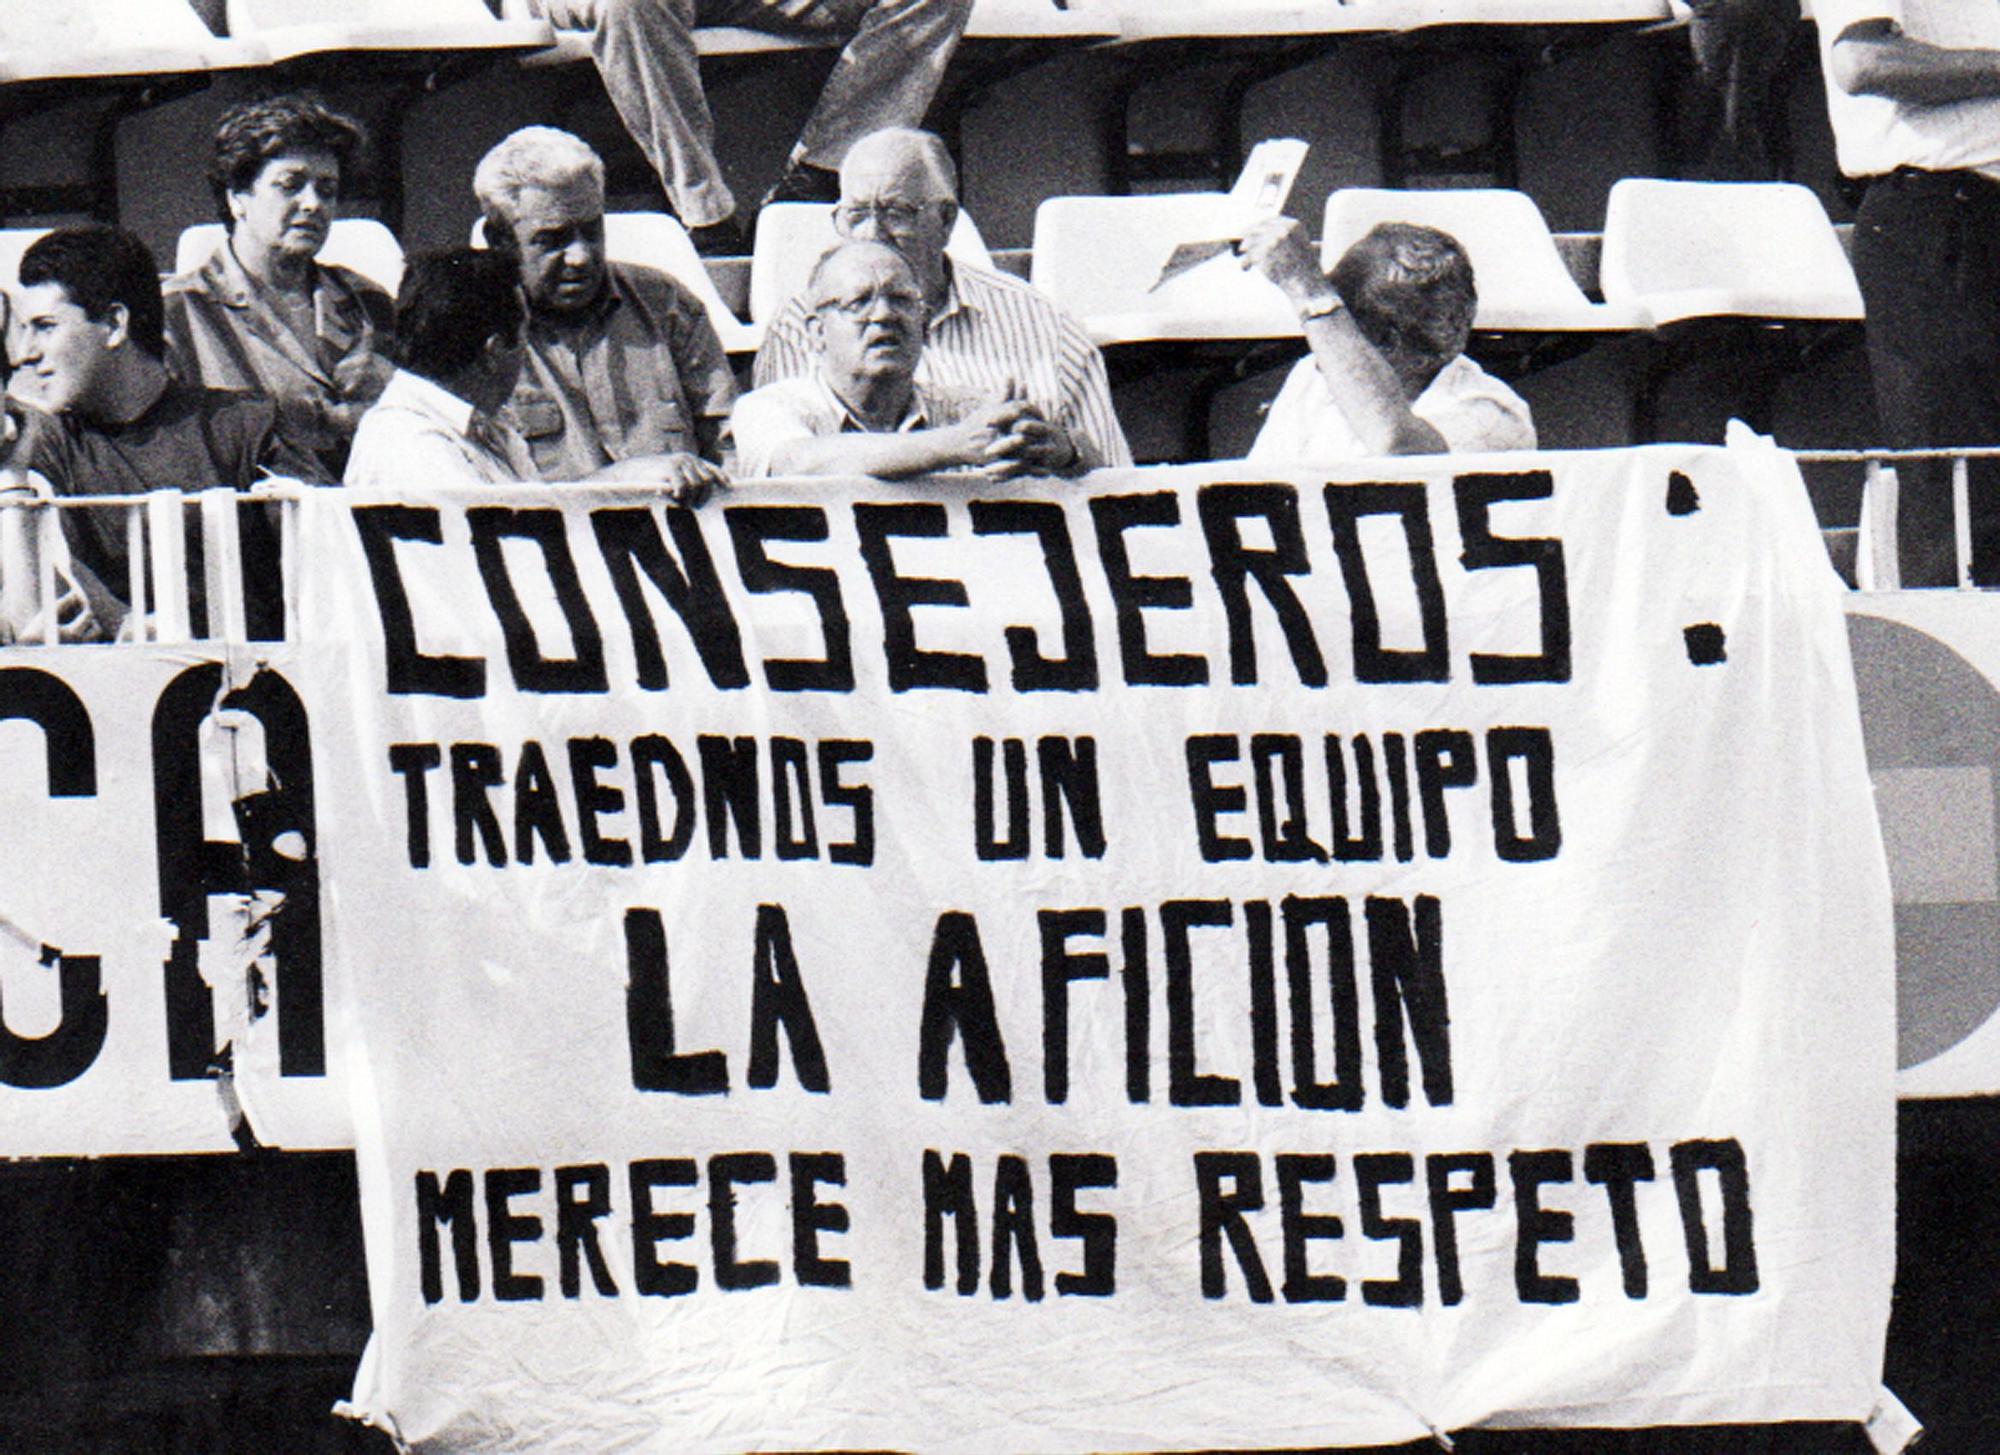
column 1099, row 257
column 659, row 241
column 15, row 241
column 792, row 235
column 1681, row 250
column 47, row 40
column 288, row 28
column 1524, row 284
column 1141, row 20
column 360, row 243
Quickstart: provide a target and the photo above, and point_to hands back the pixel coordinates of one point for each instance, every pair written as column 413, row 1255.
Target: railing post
column 135, row 554
column 222, row 565
column 168, row 529
column 1961, row 519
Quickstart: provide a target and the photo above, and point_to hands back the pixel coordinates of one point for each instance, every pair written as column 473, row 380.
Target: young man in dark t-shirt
column 118, row 423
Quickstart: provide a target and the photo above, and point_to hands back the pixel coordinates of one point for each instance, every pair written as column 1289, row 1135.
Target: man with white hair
column 624, row 376
column 989, row 335
column 893, row 56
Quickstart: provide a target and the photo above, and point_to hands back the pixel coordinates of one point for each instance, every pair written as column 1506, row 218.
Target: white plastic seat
column 1195, row 19
column 80, row 39
column 287, row 28
column 656, row 240
column 1522, row 279
column 1700, row 249
column 360, row 243
column 1099, row 256
column 15, row 241
column 792, row 235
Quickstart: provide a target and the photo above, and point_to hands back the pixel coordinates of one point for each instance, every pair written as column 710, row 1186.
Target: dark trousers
column 1927, row 256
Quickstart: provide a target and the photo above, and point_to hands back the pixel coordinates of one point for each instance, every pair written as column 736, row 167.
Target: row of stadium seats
column 55, row 39
column 1670, row 251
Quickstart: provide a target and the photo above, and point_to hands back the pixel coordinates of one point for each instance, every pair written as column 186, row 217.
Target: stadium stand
column 360, row 243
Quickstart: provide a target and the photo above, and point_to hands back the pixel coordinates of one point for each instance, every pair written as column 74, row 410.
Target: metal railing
column 45, row 595
column 1878, row 564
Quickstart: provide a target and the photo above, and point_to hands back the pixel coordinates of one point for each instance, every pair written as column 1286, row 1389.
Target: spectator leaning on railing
column 459, row 330
column 260, row 314
column 988, row 334
column 119, row 423
column 624, row 376
column 862, row 410
column 1387, row 374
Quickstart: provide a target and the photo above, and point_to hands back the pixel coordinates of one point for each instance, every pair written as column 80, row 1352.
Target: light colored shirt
column 995, row 335
column 630, row 377
column 421, row 434
column 225, row 332
column 805, row 408
column 1474, row 412
column 1874, row 134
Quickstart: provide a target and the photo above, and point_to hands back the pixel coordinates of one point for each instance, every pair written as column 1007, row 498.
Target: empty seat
column 287, row 28
column 360, row 243
column 792, row 235
column 76, row 39
column 1703, row 249
column 1523, row 281
column 659, row 241
column 1186, row 19
column 1099, row 257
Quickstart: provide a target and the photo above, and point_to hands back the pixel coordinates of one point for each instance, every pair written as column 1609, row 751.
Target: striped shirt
column 995, row 335
column 1874, row 134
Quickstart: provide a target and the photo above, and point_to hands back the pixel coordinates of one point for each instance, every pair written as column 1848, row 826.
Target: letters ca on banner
column 1189, row 960
column 160, row 936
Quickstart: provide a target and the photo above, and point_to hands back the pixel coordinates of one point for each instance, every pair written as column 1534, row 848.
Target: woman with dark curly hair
column 261, row 314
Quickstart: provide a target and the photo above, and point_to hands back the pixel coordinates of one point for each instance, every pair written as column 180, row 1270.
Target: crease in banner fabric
column 1187, row 959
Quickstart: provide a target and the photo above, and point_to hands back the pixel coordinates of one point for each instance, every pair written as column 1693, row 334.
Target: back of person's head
column 897, row 148
column 534, row 156
column 252, row 133
column 1411, row 291
column 98, row 267
column 451, row 303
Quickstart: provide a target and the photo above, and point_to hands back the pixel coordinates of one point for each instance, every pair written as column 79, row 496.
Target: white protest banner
column 159, row 918
column 1191, row 959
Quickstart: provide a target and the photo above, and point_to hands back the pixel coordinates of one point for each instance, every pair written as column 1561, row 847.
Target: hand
column 1045, row 448
column 685, row 478
column 1278, row 249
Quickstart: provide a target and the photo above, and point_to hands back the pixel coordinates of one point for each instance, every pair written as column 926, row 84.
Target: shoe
column 803, row 182
column 722, row 239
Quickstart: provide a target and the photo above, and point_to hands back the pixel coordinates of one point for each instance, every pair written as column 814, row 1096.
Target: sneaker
column 722, row 239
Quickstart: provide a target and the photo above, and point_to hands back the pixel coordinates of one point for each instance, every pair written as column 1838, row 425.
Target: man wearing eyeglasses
column 1387, row 374
column 987, row 334
column 862, row 410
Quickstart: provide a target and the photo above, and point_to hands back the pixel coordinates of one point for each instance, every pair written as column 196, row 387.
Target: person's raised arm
column 1364, row 388
column 1875, row 58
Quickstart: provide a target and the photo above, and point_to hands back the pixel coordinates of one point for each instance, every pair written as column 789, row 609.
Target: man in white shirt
column 1913, row 91
column 458, row 337
column 987, row 333
column 862, row 410
column 1387, row 374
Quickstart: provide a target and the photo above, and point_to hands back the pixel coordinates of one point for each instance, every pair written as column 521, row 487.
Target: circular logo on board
column 1931, row 722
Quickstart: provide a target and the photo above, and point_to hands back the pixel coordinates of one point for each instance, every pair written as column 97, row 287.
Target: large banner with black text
column 1195, row 959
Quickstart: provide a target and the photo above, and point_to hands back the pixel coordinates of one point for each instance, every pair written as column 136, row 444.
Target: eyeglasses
column 892, row 215
column 859, row 305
